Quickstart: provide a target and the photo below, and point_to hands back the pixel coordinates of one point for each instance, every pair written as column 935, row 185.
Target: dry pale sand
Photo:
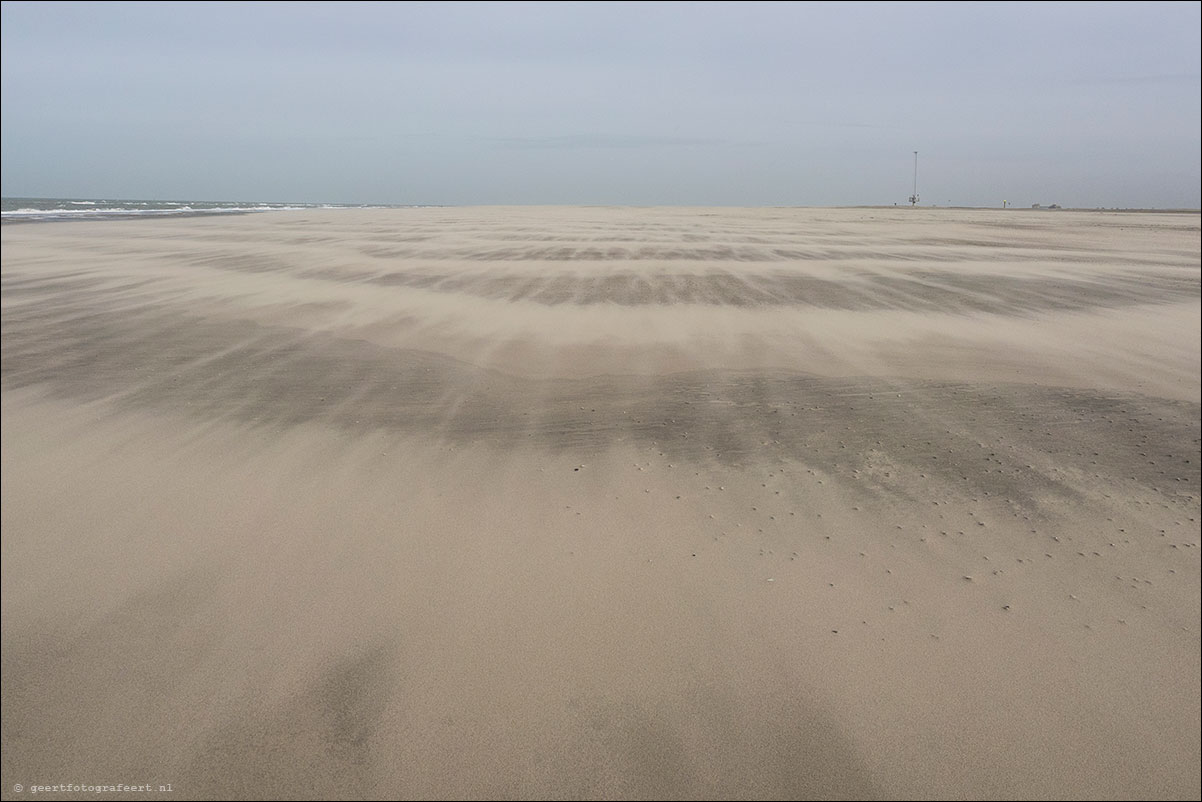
column 603, row 502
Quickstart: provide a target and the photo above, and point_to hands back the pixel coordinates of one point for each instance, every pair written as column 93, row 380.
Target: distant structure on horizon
column 914, row 197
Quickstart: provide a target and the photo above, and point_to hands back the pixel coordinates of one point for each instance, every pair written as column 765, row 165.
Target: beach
column 603, row 502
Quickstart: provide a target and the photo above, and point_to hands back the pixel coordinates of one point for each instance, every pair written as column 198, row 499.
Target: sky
column 710, row 104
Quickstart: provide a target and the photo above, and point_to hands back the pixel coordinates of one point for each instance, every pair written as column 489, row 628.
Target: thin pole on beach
column 914, row 197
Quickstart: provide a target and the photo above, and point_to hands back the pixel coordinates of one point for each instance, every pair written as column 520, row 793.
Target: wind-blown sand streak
column 604, row 502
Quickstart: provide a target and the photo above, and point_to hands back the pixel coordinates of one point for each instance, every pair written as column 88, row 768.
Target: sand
column 603, row 503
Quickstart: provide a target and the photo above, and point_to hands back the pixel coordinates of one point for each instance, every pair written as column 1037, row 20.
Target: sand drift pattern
column 136, row 338
column 604, row 503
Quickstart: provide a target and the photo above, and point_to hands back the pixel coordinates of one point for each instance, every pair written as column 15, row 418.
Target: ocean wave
column 143, row 210
column 23, row 209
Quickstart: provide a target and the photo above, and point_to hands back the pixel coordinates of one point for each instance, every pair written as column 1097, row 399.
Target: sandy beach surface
column 603, row 503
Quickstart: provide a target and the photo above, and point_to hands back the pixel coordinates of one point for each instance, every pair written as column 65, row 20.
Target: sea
column 14, row 210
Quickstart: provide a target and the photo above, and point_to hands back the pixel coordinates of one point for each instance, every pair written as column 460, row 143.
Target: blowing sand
column 603, row 502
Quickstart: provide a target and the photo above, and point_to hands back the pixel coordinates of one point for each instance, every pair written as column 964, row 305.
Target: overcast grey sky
column 610, row 103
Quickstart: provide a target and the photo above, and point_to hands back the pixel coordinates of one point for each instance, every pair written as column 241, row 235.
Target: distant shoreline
column 51, row 216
